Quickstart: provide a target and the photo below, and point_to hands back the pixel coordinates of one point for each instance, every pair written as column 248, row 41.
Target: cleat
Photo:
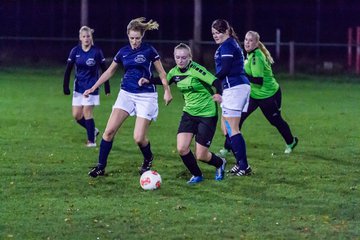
column 145, row 166
column 223, row 152
column 289, row 148
column 234, row 169
column 96, row 171
column 219, row 173
column 195, row 180
column 90, row 144
column 246, row 172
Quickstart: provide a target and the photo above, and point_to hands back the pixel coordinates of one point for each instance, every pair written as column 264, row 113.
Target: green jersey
column 257, row 66
column 195, row 83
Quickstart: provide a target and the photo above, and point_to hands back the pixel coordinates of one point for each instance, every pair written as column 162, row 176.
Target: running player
column 229, row 63
column 200, row 113
column 138, row 59
column 87, row 59
column 265, row 91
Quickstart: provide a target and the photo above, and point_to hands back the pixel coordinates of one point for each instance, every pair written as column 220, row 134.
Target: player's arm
column 226, row 63
column 107, row 83
column 218, row 86
column 204, row 75
column 103, row 78
column 67, row 74
column 257, row 70
column 162, row 75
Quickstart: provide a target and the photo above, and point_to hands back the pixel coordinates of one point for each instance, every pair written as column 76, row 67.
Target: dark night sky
column 57, row 22
column 296, row 19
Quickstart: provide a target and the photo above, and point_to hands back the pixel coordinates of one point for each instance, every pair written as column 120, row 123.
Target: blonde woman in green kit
column 265, row 91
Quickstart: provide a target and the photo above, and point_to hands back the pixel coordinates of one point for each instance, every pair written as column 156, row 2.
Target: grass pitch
column 312, row 193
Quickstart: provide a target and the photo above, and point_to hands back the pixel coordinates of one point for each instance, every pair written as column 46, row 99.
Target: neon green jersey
column 195, row 82
column 257, row 66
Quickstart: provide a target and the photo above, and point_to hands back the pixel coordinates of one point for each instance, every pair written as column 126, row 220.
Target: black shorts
column 202, row 127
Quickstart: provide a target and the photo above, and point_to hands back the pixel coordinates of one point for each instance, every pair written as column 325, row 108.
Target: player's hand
column 217, row 98
column 167, row 97
column 87, row 92
column 143, row 81
column 66, row 90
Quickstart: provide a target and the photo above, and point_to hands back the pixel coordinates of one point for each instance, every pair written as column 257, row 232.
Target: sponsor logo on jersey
column 140, row 58
column 90, row 62
column 177, row 79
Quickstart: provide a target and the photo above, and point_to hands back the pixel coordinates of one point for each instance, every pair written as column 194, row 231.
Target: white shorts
column 79, row 100
column 235, row 100
column 143, row 105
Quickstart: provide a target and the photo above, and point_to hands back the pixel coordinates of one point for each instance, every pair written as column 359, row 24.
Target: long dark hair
column 222, row 26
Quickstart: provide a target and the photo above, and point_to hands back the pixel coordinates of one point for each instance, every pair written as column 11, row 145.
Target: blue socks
column 227, row 143
column 90, row 129
column 89, row 125
column 81, row 122
column 105, row 148
column 239, row 148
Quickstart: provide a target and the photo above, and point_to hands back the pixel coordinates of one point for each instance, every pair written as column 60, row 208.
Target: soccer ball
column 150, row 180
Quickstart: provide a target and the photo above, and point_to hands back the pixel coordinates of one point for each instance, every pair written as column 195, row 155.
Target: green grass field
column 313, row 193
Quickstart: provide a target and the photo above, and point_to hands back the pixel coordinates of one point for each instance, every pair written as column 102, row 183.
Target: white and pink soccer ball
column 150, row 180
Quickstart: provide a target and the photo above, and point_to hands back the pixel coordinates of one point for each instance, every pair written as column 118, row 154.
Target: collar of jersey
column 252, row 51
column 182, row 70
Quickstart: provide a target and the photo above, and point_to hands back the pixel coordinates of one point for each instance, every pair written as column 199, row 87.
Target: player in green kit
column 200, row 113
column 265, row 91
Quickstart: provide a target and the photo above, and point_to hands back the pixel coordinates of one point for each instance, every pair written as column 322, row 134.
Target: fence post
column 291, row 57
column 350, row 33
column 84, row 13
column 357, row 50
column 277, row 48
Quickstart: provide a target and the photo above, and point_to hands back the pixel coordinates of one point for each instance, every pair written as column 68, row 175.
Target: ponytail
column 139, row 24
column 266, row 52
column 233, row 34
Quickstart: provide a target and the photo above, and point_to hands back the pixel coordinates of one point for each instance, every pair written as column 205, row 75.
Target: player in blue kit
column 87, row 59
column 138, row 59
column 229, row 64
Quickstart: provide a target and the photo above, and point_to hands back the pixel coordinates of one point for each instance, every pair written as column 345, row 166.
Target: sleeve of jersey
column 71, row 58
column 257, row 65
column 227, row 56
column 117, row 57
column 66, row 81
column 154, row 55
column 101, row 56
column 203, row 74
column 169, row 77
column 227, row 51
column 257, row 69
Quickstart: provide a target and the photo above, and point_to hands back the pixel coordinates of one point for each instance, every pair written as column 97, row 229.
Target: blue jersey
column 87, row 65
column 137, row 63
column 231, row 49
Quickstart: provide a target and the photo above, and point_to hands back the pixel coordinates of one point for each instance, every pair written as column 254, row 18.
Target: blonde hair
column 261, row 46
column 89, row 30
column 183, row 46
column 139, row 25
